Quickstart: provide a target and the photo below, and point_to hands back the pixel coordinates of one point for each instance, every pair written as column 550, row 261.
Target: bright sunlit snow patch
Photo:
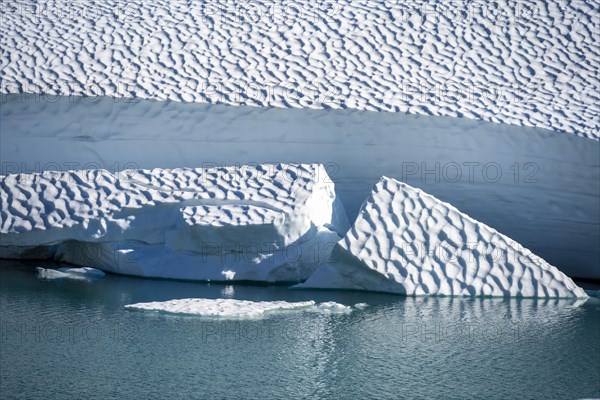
column 533, row 68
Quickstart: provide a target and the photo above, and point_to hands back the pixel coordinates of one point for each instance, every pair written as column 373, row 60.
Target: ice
column 522, row 63
column 237, row 309
column 508, row 87
column 331, row 307
column 461, row 155
column 261, row 223
column 407, row 241
column 565, row 227
column 83, row 274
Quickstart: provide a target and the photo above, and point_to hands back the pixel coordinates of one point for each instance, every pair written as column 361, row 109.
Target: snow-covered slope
column 539, row 187
column 406, row 241
column 264, row 222
column 532, row 63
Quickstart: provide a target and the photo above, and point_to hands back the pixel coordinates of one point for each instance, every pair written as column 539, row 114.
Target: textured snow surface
column 531, row 63
column 406, row 241
column 237, row 309
column 272, row 220
column 539, row 187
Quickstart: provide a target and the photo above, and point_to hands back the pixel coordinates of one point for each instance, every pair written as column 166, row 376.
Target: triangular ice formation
column 407, row 241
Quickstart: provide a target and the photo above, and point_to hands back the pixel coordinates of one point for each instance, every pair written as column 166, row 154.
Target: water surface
column 64, row 339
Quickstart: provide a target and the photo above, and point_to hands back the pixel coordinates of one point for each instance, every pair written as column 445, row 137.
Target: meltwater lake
column 64, row 337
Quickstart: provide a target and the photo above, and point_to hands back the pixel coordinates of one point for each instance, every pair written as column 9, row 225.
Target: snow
column 407, row 241
column 545, row 195
column 523, row 63
column 83, row 274
column 163, row 223
column 237, row 309
column 492, row 89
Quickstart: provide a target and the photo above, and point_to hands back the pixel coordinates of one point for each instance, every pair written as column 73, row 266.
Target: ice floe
column 237, row 309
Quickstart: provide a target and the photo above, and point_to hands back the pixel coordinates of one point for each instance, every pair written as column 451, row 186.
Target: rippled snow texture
column 407, row 241
column 163, row 222
column 525, row 63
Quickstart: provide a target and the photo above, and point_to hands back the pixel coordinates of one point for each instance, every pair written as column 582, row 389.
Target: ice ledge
column 266, row 222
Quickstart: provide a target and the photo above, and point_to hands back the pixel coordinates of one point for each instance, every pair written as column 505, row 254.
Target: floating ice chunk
column 85, row 273
column 361, row 306
column 406, row 241
column 229, row 275
column 221, row 308
column 237, row 309
column 331, row 307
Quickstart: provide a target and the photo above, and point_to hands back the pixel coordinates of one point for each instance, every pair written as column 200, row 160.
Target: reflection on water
column 73, row 338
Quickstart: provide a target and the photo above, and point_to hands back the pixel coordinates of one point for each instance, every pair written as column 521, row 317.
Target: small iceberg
column 80, row 274
column 331, row 307
column 237, row 309
column 268, row 223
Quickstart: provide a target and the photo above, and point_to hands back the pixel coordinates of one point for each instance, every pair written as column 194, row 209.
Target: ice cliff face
column 266, row 222
column 406, row 241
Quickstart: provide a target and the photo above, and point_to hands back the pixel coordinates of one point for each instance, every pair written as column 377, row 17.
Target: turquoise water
column 73, row 339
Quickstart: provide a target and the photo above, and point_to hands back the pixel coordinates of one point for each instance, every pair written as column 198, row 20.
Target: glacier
column 407, row 241
column 543, row 185
column 269, row 223
column 261, row 223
